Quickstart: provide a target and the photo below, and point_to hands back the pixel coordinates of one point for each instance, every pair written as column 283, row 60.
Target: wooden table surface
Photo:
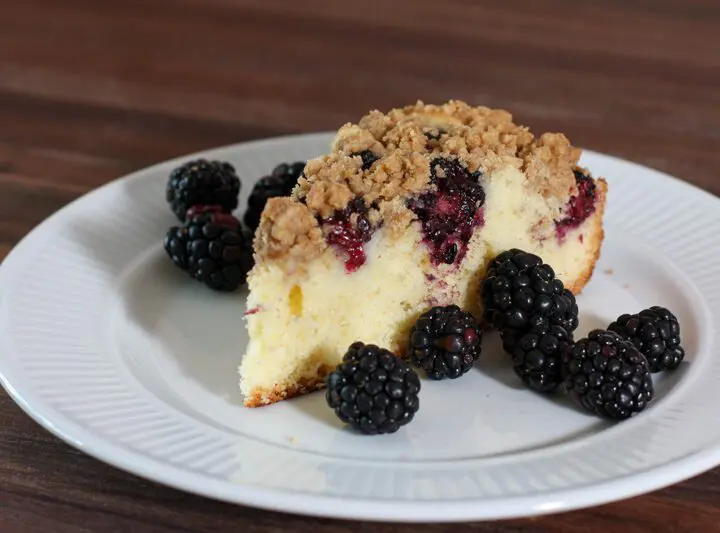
column 91, row 90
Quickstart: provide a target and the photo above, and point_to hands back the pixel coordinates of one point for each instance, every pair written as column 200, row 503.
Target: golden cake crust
column 405, row 140
column 261, row 397
column 596, row 234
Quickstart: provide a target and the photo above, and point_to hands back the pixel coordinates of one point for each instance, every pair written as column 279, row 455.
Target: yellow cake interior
column 301, row 325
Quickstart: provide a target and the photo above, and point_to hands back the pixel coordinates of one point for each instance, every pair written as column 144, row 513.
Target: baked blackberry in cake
column 404, row 213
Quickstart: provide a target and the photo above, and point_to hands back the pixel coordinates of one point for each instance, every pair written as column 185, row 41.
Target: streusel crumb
column 548, row 163
column 288, row 230
column 404, row 142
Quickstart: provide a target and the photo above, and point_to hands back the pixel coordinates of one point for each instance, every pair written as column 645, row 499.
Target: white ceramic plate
column 111, row 348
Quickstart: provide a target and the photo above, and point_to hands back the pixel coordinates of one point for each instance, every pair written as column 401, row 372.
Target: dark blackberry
column 608, row 376
column 348, row 231
column 445, row 342
column 656, row 333
column 537, row 355
column 175, row 245
column 368, row 158
column 372, row 390
column 451, row 211
column 211, row 248
column 520, row 291
column 280, row 182
column 579, row 207
column 202, row 182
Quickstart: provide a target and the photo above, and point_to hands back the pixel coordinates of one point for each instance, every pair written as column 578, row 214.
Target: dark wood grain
column 92, row 90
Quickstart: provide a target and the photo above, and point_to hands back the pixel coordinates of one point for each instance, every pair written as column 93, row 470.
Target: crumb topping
column 289, row 231
column 404, row 142
column 548, row 163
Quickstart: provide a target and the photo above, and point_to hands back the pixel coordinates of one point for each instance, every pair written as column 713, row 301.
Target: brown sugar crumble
column 405, row 140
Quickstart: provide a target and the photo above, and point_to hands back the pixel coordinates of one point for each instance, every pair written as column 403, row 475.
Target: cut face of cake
column 404, row 213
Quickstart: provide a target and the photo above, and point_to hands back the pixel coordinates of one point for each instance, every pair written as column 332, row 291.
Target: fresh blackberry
column 202, row 182
column 280, row 182
column 368, row 158
column 608, row 376
column 520, row 291
column 175, row 245
column 656, row 333
column 211, row 248
column 537, row 355
column 372, row 390
column 445, row 342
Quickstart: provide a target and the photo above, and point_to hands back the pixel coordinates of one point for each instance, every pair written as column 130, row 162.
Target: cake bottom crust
column 260, row 397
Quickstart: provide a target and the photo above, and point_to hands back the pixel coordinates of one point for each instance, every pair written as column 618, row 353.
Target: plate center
column 184, row 344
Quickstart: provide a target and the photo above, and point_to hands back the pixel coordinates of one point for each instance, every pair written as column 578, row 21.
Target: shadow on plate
column 314, row 406
column 497, row 365
column 201, row 331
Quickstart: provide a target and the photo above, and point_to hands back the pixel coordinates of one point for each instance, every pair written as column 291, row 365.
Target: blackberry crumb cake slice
column 404, row 213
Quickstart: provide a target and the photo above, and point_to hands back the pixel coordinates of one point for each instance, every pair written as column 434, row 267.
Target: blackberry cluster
column 608, row 376
column 655, row 332
column 372, row 390
column 202, row 182
column 608, row 373
column 280, row 182
column 537, row 355
column 445, row 342
column 210, row 247
column 535, row 314
column 521, row 292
